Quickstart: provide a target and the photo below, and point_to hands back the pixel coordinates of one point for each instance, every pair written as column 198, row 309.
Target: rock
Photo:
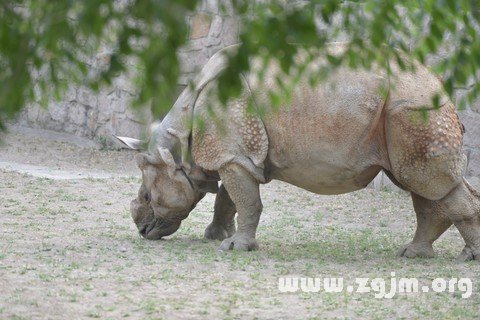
column 77, row 114
column 216, row 27
column 120, row 104
column 58, row 111
column 230, row 31
column 87, row 97
column 471, row 121
column 123, row 83
column 200, row 26
column 192, row 61
column 129, row 129
column 473, row 169
column 90, row 114
column 475, row 182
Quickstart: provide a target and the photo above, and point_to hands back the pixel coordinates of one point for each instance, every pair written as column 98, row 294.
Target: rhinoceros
column 329, row 138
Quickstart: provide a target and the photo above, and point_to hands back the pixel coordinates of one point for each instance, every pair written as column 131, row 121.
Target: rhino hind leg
column 431, row 224
column 426, row 157
column 462, row 206
column 223, row 223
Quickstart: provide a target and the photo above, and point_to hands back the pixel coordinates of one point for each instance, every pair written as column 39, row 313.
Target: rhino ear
column 169, row 161
column 144, row 159
column 131, row 143
column 141, row 161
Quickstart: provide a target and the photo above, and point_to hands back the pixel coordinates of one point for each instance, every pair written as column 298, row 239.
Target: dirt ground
column 69, row 249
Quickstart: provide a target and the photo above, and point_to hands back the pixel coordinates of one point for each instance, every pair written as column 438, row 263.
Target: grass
column 73, row 244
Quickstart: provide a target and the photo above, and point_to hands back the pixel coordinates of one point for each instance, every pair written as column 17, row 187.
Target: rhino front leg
column 431, row 224
column 245, row 194
column 223, row 223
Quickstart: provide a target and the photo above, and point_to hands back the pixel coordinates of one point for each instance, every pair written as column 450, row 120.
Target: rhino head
column 167, row 194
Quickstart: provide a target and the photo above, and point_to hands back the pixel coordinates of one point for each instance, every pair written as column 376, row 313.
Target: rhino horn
column 131, row 143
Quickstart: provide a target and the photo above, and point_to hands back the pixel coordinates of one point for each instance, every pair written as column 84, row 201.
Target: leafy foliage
column 46, row 45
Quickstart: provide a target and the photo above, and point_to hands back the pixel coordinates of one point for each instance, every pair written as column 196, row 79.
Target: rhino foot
column 416, row 250
column 218, row 232
column 468, row 254
column 239, row 242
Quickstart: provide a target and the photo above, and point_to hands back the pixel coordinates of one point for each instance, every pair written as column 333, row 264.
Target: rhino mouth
column 146, row 229
column 159, row 228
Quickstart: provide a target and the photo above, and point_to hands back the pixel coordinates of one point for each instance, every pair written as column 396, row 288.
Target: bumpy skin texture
column 330, row 139
column 245, row 193
column 426, row 158
column 232, row 136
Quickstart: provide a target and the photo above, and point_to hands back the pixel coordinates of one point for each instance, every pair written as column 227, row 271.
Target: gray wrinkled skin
column 330, row 139
column 162, row 202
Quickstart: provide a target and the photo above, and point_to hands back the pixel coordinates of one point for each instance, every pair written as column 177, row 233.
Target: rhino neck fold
column 178, row 119
column 174, row 131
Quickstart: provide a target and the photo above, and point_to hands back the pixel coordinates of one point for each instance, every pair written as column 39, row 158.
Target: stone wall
column 471, row 120
column 98, row 116
column 88, row 114
column 210, row 31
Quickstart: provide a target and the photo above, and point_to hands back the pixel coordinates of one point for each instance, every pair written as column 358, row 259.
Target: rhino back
column 325, row 139
column 329, row 138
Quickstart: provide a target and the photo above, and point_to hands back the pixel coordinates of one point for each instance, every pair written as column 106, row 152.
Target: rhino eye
column 146, row 196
